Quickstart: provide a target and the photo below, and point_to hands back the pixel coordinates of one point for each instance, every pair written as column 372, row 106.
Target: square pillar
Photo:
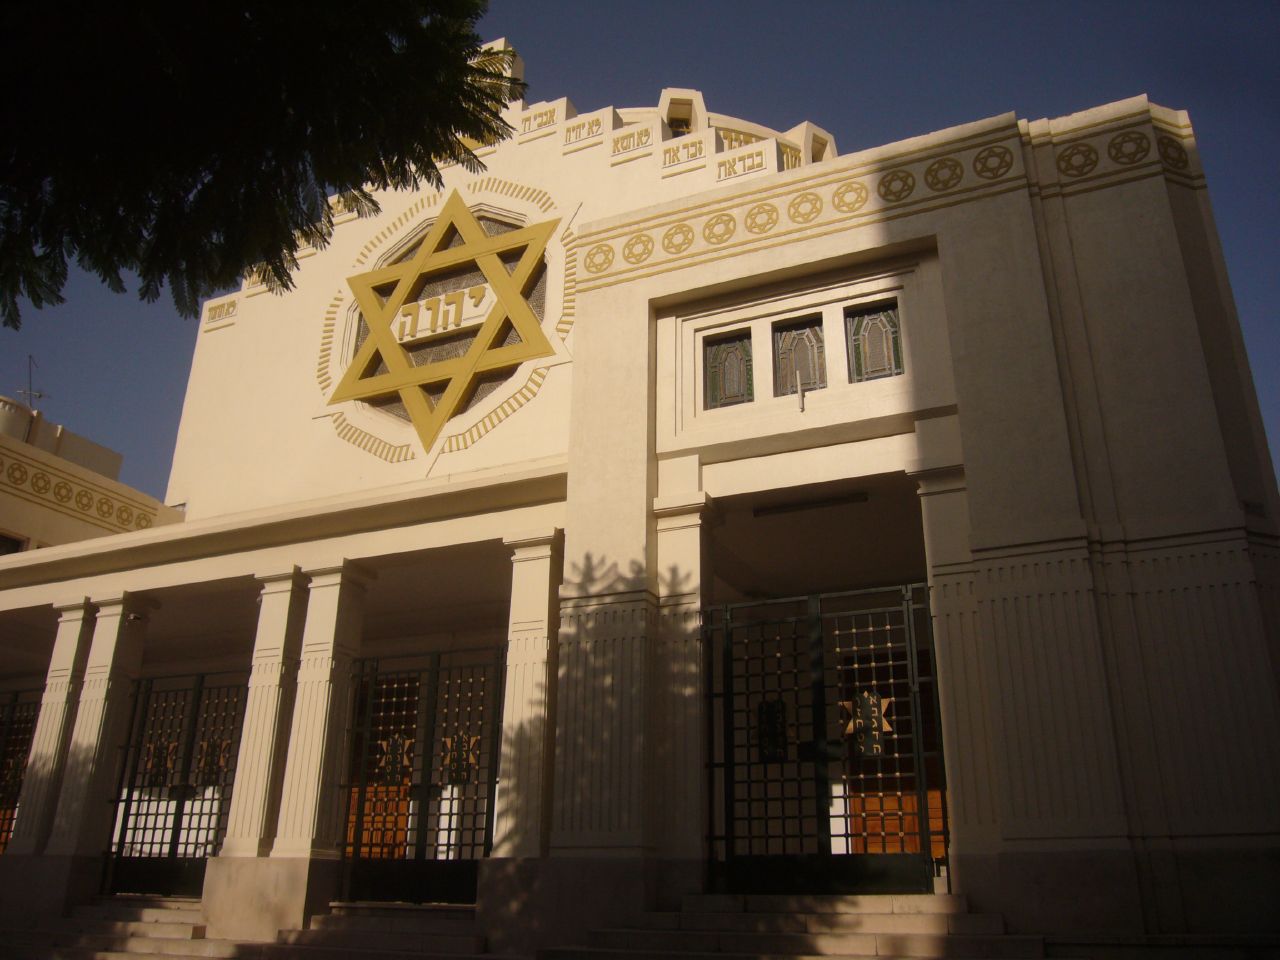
column 255, row 799
column 251, row 897
column 677, row 758
column 523, row 806
column 331, row 639
column 1034, row 798
column 82, row 824
column 241, row 883
column 43, row 778
column 599, row 790
column 70, row 869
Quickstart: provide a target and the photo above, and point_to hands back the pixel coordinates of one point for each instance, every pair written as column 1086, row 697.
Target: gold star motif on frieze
column 402, row 322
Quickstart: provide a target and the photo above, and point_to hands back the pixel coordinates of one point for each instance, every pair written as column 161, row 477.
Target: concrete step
column 280, row 951
column 820, row 944
column 247, row 952
column 429, row 919
column 973, row 924
column 411, row 941
column 164, row 946
column 135, row 912
column 182, row 930
column 826, row 903
column 144, row 901
column 602, row 953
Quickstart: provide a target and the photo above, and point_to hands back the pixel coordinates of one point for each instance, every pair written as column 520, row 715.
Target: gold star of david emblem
column 850, row 712
column 397, row 358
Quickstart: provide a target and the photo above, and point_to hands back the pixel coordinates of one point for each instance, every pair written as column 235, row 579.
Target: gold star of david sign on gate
column 435, row 389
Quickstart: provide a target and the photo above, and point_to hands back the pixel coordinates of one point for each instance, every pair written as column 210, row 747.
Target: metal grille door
column 423, row 768
column 18, row 713
column 826, row 751
column 175, row 790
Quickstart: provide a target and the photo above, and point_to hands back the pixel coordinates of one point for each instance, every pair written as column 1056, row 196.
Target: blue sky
column 115, row 369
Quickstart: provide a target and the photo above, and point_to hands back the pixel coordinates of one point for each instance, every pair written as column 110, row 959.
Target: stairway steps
column 133, row 901
column 123, row 943
column 433, row 923
column 138, row 914
column 382, row 939
column 973, row 924
column 183, row 930
column 281, row 951
column 603, row 953
column 909, row 903
column 821, row 944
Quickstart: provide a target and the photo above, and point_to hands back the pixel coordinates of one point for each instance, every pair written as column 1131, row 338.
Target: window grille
column 875, row 342
column 727, row 368
column 799, row 348
column 18, row 714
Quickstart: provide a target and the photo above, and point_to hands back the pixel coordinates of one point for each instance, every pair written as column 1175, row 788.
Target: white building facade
column 680, row 505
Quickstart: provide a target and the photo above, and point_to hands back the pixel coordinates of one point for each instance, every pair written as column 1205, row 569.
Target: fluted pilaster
column 268, row 707
column 677, row 771
column 45, row 764
column 82, row 824
column 522, row 819
column 600, row 723
column 330, row 641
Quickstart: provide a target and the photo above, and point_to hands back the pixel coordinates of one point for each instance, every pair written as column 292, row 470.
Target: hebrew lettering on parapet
column 538, row 120
column 630, row 140
column 682, row 152
column 582, row 130
column 732, row 167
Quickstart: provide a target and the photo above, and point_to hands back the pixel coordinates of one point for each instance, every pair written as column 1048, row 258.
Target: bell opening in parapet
column 680, row 117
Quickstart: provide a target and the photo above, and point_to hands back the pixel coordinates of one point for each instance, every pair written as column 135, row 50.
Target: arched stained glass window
column 798, row 347
column 875, row 342
column 727, row 368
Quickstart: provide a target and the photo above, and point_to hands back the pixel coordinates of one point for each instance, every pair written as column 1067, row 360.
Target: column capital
column 281, row 581
column 935, row 480
column 677, row 510
column 74, row 609
column 131, row 606
column 535, row 544
column 348, row 573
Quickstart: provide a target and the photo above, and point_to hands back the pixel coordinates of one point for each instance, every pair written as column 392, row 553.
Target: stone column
column 301, row 875
column 242, row 884
column 330, row 641
column 82, row 825
column 268, row 708
column 677, row 758
column 963, row 689
column 599, row 790
column 523, row 807
column 43, row 778
column 70, row 869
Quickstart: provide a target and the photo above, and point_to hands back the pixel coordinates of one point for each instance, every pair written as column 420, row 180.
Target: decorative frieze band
column 65, row 493
column 836, row 198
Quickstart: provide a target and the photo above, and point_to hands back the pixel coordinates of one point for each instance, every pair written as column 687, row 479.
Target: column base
column 1121, row 893
column 532, row 904
column 253, row 898
column 37, row 889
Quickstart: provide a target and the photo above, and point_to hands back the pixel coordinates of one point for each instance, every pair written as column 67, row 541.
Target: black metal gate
column 824, row 744
column 18, row 713
column 174, row 793
column 422, row 772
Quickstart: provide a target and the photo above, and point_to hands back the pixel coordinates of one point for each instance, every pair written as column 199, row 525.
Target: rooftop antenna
column 31, row 395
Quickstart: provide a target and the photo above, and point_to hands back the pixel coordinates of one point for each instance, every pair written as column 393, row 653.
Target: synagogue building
column 678, row 512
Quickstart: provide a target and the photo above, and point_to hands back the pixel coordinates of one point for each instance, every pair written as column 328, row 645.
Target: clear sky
column 115, row 370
